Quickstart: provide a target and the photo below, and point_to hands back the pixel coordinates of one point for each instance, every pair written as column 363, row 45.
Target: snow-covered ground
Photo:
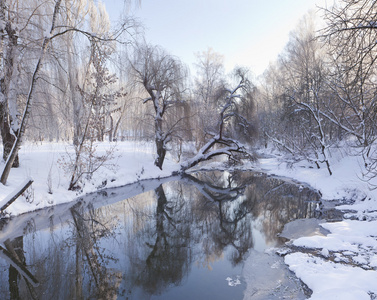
column 42, row 163
column 343, row 263
column 339, row 265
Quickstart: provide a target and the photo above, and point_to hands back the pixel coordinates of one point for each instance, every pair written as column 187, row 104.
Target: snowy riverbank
column 42, row 162
column 343, row 263
column 339, row 265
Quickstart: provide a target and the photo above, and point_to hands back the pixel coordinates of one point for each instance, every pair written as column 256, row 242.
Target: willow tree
column 51, row 17
column 162, row 78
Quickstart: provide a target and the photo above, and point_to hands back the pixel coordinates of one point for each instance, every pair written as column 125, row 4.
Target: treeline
column 321, row 93
column 68, row 74
column 55, row 80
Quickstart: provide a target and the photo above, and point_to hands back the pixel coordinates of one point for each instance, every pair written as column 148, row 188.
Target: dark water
column 180, row 238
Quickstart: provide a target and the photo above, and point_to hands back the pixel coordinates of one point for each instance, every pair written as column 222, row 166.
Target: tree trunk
column 115, row 133
column 76, row 104
column 7, row 137
column 160, row 143
column 8, row 62
column 161, row 152
column 111, row 128
column 17, row 144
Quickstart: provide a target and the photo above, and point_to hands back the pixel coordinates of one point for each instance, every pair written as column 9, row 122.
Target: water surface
column 179, row 238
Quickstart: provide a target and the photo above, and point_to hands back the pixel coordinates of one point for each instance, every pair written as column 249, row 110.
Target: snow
column 233, row 282
column 11, row 195
column 41, row 162
column 330, row 280
column 336, row 260
column 339, row 262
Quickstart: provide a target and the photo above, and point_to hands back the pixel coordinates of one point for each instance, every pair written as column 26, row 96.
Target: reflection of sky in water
column 204, row 283
column 259, row 239
column 189, row 237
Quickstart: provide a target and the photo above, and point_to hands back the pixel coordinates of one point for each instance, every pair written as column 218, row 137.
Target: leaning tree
column 54, row 25
column 234, row 121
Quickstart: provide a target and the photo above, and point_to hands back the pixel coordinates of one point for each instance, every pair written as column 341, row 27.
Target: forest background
column 68, row 74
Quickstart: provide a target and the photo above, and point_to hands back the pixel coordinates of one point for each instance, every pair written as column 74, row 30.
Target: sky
column 248, row 33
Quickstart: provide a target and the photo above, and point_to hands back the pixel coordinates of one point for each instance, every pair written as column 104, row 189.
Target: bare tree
column 162, row 78
column 221, row 141
column 210, row 75
column 351, row 34
column 75, row 12
column 57, row 28
column 209, row 80
column 306, row 88
column 8, row 59
column 17, row 142
column 297, row 88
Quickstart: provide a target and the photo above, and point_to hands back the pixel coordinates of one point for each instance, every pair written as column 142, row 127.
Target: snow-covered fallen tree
column 216, row 146
column 230, row 122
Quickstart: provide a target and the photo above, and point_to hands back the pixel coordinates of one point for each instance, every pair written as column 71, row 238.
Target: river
column 201, row 236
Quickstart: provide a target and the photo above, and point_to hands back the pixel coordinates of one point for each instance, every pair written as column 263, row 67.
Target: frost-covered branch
column 219, row 143
column 204, row 154
column 21, row 131
column 160, row 76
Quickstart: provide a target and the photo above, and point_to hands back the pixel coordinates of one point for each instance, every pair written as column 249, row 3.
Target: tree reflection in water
column 230, row 218
column 167, row 241
column 17, row 269
column 148, row 244
column 101, row 283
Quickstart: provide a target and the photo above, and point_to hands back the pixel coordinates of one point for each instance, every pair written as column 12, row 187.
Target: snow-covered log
column 13, row 196
column 229, row 147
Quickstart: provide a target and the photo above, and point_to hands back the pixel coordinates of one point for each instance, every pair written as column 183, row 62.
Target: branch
column 13, row 196
column 205, row 154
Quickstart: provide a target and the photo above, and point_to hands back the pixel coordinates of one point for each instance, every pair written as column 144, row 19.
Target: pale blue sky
column 250, row 33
